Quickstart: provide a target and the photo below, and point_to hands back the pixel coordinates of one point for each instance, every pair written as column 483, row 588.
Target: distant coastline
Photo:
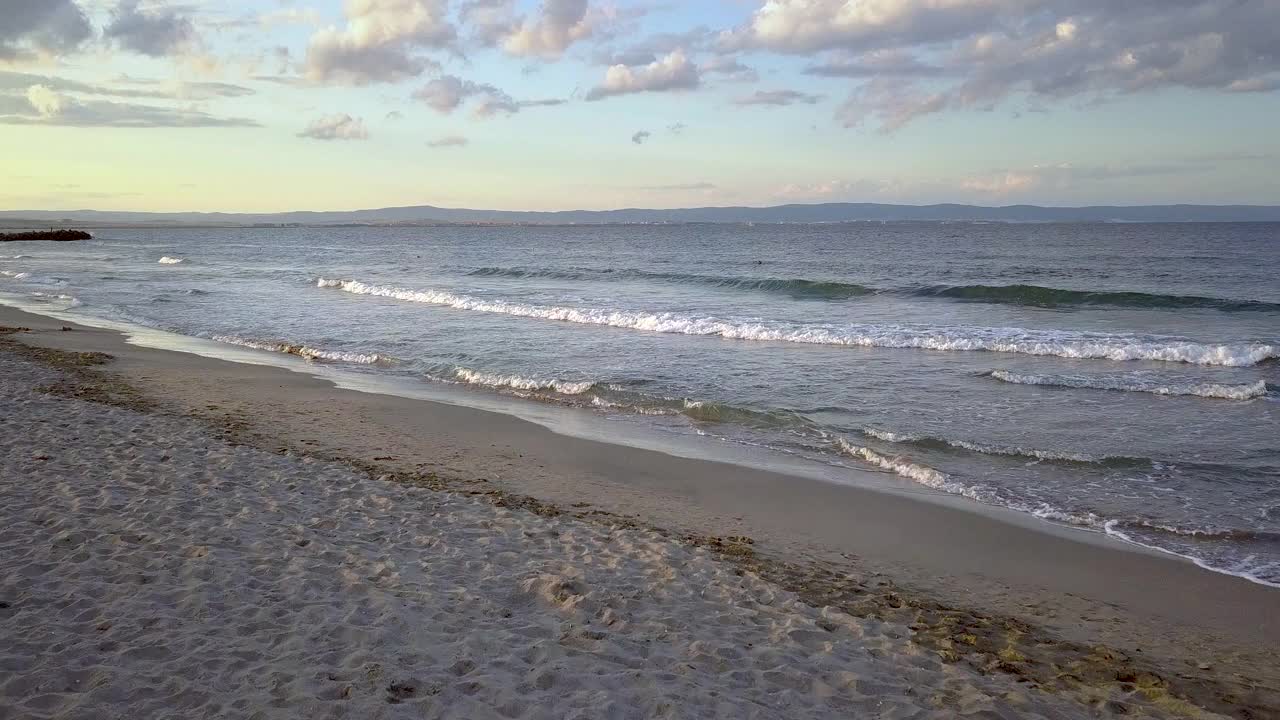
column 823, row 213
column 63, row 235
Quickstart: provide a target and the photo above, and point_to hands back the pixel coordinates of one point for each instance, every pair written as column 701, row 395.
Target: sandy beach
column 191, row 537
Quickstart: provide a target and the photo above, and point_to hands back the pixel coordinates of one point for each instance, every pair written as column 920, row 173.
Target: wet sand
column 1064, row 612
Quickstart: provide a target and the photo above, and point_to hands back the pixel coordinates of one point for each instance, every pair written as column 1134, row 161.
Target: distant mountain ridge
column 796, row 213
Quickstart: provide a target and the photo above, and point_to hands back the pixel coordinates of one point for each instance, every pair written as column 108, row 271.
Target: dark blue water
column 1119, row 377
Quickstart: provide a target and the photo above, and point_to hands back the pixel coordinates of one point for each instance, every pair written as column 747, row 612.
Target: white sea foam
column 14, row 257
column 306, row 352
column 516, row 382
column 1138, row 383
column 15, row 275
column 166, row 260
column 71, row 300
column 1009, row 340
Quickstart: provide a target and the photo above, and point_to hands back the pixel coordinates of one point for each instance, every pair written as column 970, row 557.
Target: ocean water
column 1122, row 378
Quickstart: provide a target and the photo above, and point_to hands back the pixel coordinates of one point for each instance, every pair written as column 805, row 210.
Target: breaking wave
column 928, row 441
column 166, row 260
column 71, row 300
column 793, row 287
column 1133, row 382
column 1039, row 296
column 306, row 352
column 1008, row 340
column 516, row 382
column 903, row 467
column 1019, row 294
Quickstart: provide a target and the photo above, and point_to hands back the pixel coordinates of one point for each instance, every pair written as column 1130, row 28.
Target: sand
column 166, row 563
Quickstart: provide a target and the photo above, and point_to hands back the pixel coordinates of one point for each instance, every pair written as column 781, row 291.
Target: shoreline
column 898, row 552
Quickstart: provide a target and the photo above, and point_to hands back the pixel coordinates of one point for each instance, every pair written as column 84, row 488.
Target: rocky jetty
column 54, row 235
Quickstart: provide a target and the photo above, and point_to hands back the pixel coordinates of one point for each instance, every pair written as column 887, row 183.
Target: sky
column 274, row 105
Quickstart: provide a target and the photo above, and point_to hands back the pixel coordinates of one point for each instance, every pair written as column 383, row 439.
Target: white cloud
column 673, row 72
column 380, row 43
column 803, row 26
column 45, row 101
column 559, row 24
column 336, row 127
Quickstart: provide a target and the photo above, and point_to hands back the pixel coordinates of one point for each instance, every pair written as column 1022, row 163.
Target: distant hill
column 819, row 213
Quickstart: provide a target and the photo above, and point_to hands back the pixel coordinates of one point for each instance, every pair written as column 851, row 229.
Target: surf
column 1067, row 344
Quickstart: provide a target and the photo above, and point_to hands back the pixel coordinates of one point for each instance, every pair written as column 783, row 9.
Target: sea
column 1119, row 378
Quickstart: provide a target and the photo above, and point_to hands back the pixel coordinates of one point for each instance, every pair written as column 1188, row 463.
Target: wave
column 1206, row 534
column 516, row 382
column 166, row 260
column 1017, row 294
column 27, row 277
column 795, row 287
column 1256, row 555
column 904, row 467
column 71, row 300
column 15, row 257
column 1137, row 383
column 928, row 441
column 1008, row 340
column 1040, row 296
column 306, row 352
column 1203, row 546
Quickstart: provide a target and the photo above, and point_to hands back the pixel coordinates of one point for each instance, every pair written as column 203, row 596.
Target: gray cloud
column 381, row 42
column 673, row 188
column 155, row 32
column 41, row 26
column 655, row 46
column 181, row 90
column 778, row 98
column 730, row 69
column 673, row 72
column 877, row 63
column 489, row 20
column 1064, row 176
column 545, row 102
column 1046, row 49
column 336, row 127
column 448, row 141
column 126, row 87
column 639, row 137
column 893, row 103
column 42, row 105
column 447, row 93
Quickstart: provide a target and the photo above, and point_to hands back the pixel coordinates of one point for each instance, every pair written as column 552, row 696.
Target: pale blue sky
column 323, row 104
